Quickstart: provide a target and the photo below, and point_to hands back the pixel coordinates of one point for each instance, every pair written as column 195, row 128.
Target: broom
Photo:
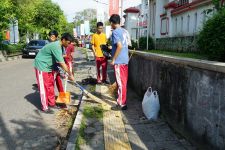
column 113, row 87
column 93, row 97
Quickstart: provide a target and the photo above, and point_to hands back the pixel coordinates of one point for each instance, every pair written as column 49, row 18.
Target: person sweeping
column 44, row 64
column 120, row 59
column 53, row 36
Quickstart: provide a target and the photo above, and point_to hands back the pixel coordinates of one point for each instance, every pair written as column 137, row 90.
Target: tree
column 69, row 28
column 87, row 14
column 49, row 16
column 211, row 38
column 26, row 11
column 93, row 23
column 6, row 13
column 36, row 16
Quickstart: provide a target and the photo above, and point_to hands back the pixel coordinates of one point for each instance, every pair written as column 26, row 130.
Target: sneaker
column 105, row 82
column 99, row 82
column 48, row 111
column 124, row 107
column 116, row 108
column 61, row 106
column 54, row 107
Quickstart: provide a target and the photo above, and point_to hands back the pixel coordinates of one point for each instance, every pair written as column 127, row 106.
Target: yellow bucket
column 64, row 97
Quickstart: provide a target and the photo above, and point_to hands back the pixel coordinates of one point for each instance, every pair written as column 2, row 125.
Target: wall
column 191, row 93
column 181, row 44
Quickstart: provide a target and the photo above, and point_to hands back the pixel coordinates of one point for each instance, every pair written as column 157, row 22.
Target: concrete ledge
column 2, row 58
column 198, row 63
column 191, row 94
column 71, row 145
column 10, row 58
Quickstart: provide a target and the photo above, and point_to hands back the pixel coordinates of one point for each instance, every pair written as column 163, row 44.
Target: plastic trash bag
column 150, row 104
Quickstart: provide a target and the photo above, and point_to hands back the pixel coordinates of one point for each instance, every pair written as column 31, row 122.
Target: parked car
column 33, row 47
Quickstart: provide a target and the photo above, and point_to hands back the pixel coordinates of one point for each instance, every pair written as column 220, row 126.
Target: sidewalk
column 149, row 135
column 103, row 128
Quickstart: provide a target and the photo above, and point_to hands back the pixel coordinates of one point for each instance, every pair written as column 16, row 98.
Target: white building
column 131, row 22
column 177, row 18
column 136, row 20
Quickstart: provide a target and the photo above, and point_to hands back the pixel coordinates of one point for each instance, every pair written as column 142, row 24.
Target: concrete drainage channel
column 71, row 144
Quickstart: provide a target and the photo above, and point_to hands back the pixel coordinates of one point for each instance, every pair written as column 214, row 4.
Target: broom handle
column 66, row 83
column 70, row 68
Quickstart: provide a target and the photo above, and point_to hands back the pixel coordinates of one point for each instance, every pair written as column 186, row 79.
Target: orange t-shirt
column 98, row 40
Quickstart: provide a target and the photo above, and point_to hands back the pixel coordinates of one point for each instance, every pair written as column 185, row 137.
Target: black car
column 33, row 47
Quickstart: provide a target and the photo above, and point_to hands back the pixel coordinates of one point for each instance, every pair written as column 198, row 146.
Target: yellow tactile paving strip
column 115, row 135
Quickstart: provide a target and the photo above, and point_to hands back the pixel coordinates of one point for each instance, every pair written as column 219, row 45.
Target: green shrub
column 134, row 45
column 143, row 43
column 12, row 48
column 211, row 39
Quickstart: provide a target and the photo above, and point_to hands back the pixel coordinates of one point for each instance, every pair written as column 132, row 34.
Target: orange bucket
column 64, row 97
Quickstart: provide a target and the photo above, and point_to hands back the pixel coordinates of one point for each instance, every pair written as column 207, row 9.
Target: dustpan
column 64, row 97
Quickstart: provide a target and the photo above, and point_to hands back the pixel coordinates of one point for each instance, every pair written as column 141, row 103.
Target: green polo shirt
column 49, row 55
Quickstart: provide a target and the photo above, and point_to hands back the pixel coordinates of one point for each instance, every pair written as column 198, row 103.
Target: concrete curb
column 198, row 63
column 71, row 145
column 3, row 58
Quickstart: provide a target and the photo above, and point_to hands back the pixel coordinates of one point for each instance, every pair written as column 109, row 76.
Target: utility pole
column 148, row 19
column 121, row 11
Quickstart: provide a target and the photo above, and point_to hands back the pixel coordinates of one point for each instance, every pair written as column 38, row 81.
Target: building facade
column 136, row 20
column 177, row 18
column 131, row 21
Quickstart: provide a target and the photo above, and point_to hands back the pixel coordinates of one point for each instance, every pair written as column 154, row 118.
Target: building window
column 176, row 26
column 164, row 26
column 182, row 2
column 182, row 24
column 188, row 23
column 196, row 22
column 153, row 22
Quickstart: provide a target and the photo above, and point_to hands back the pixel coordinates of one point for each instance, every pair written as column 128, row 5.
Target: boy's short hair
column 53, row 32
column 67, row 37
column 115, row 19
column 100, row 24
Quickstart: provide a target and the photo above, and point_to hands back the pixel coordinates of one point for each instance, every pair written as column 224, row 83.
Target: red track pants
column 45, row 81
column 58, row 81
column 121, row 73
column 101, row 62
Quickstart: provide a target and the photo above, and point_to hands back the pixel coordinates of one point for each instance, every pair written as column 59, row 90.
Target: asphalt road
column 20, row 118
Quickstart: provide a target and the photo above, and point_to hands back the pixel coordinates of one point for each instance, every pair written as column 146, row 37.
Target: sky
column 70, row 7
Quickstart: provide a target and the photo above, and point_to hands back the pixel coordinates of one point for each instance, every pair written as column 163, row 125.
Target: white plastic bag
column 150, row 104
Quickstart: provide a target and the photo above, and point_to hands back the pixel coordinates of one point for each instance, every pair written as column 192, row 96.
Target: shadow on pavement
column 6, row 140
column 34, row 98
column 32, row 134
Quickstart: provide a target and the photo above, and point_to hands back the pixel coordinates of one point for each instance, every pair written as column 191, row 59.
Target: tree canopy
column 36, row 16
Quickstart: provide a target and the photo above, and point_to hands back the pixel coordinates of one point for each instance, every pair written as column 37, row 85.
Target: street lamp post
column 138, row 35
column 121, row 11
column 148, row 19
column 101, row 2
